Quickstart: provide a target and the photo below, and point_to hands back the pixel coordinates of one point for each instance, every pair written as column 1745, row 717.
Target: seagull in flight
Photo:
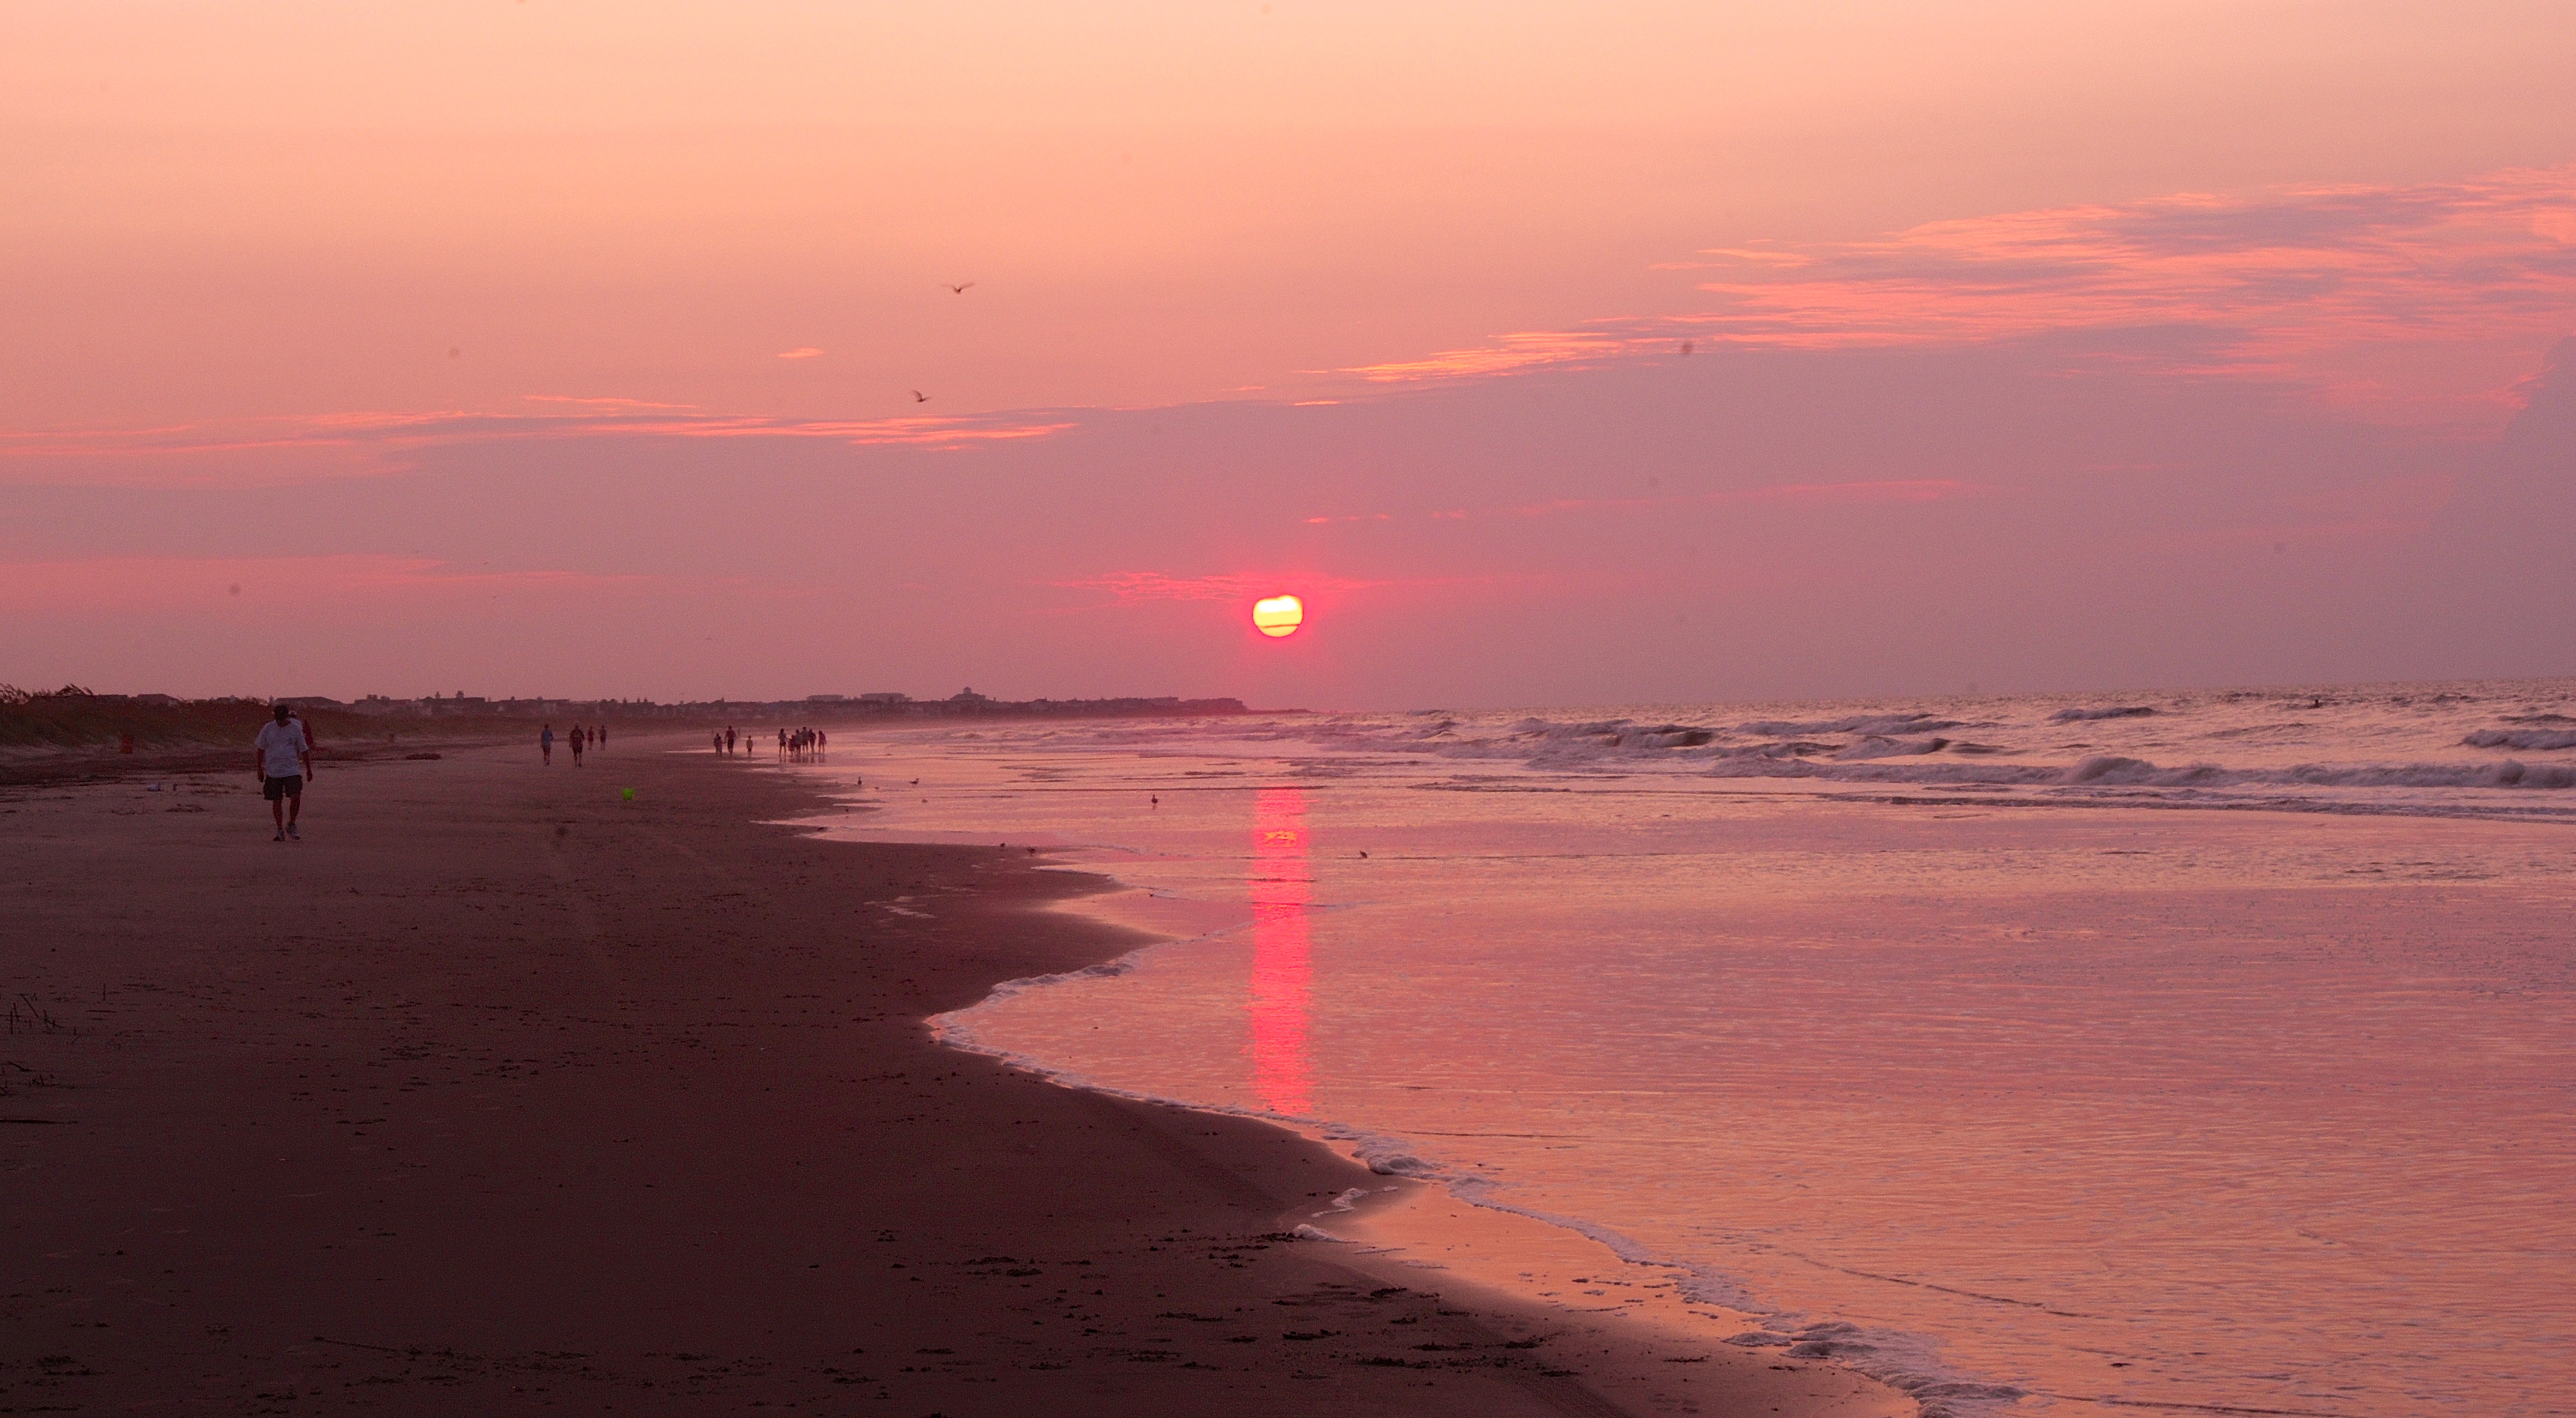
column 955, row 289
column 919, row 397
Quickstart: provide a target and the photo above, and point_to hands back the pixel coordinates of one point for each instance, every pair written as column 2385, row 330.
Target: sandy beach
column 501, row 1092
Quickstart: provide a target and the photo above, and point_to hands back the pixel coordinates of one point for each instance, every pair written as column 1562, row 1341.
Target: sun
column 1276, row 616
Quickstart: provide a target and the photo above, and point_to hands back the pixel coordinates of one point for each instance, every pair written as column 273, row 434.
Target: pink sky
column 528, row 347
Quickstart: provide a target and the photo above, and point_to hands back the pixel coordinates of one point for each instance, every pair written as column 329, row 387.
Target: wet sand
column 501, row 1093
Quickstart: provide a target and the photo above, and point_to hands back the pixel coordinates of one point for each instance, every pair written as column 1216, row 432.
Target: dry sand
column 501, row 1093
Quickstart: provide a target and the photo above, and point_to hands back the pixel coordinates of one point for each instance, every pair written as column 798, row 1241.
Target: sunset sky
column 532, row 347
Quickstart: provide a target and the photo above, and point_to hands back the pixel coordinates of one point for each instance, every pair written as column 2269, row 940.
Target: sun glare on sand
column 1278, row 615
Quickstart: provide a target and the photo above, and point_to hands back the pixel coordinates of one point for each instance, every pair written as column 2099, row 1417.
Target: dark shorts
column 290, row 786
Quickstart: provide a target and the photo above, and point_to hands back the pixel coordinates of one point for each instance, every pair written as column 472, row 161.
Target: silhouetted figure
column 284, row 759
column 546, row 745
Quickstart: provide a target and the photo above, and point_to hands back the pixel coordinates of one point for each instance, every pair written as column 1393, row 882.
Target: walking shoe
column 280, row 837
column 291, row 832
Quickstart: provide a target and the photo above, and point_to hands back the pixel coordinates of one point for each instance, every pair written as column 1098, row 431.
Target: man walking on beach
column 284, row 758
column 546, row 745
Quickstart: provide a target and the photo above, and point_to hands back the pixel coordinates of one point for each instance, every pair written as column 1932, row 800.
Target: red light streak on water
column 1281, row 887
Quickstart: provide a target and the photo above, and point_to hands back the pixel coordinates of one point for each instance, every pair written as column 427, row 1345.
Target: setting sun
column 1278, row 615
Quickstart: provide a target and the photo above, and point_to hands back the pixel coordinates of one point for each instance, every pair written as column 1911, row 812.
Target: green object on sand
column 630, row 794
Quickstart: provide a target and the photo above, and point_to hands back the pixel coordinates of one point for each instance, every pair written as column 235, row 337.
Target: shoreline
column 1508, row 1257
column 498, row 1092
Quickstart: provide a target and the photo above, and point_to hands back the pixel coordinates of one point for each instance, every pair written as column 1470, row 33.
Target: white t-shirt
column 281, row 749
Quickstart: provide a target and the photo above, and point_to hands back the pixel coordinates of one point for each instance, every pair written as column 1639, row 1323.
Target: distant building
column 825, row 698
column 885, row 699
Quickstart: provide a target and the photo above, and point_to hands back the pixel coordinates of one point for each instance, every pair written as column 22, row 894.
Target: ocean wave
column 2511, row 773
column 1874, row 746
column 1885, row 725
column 2523, row 740
column 2125, row 711
column 2109, row 770
column 1903, row 748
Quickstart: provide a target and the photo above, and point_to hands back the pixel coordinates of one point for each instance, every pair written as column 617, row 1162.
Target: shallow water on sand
column 2044, row 1096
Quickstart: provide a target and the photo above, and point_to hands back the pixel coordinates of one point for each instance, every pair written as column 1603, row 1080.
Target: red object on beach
column 125, row 743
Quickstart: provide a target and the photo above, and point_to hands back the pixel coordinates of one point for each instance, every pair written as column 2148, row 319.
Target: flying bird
column 955, row 289
column 1686, row 347
column 919, row 397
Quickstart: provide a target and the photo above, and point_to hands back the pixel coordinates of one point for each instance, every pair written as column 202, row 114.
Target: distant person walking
column 546, row 745
column 728, row 743
column 718, row 741
column 599, row 737
column 576, row 745
column 285, row 756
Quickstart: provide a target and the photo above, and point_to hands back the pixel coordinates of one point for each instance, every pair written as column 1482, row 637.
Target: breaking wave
column 2522, row 740
column 2352, row 751
column 2126, row 711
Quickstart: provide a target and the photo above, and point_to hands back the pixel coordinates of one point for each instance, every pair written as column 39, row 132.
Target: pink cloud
column 1511, row 354
column 309, row 447
column 800, row 352
column 2417, row 301
column 2292, row 275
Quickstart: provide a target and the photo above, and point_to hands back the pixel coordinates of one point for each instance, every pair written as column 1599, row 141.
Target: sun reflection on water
column 1281, row 888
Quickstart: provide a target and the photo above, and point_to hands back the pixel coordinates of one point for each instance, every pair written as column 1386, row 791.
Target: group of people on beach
column 792, row 743
column 596, row 736
column 801, row 743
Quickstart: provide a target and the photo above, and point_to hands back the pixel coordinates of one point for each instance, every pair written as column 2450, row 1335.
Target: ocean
column 2200, row 1051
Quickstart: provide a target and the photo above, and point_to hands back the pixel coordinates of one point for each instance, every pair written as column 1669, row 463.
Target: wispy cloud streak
column 294, row 448
column 1508, row 355
column 2429, row 294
